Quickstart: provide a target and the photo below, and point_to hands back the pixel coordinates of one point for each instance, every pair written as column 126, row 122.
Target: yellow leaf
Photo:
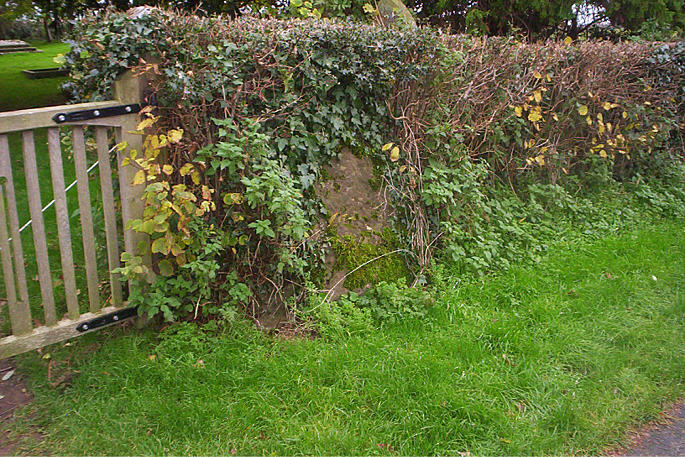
column 549, row 77
column 588, row 120
column 609, row 126
column 154, row 141
column 603, row 153
column 186, row 169
column 555, row 117
column 540, row 160
column 537, row 74
column 387, row 146
column 518, row 110
column 368, row 8
column 175, row 136
column 139, row 178
column 600, row 117
column 568, row 40
column 625, row 115
column 582, row 110
column 606, row 106
column 534, row 116
column 395, row 154
column 167, row 169
column 145, row 123
column 195, row 176
column 538, row 96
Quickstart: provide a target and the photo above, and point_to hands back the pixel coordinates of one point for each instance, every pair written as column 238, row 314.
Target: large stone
column 394, row 11
column 359, row 214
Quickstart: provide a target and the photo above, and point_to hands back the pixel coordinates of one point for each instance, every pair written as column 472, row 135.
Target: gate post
column 128, row 89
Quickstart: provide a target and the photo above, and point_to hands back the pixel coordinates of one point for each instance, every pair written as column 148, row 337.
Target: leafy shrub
column 483, row 140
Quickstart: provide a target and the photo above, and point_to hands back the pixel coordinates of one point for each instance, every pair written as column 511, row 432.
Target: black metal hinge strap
column 108, row 319
column 97, row 113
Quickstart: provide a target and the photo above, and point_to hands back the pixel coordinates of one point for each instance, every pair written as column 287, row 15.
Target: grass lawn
column 45, row 183
column 18, row 92
column 557, row 358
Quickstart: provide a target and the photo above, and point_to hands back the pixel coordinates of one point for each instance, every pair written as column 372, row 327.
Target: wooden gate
column 56, row 318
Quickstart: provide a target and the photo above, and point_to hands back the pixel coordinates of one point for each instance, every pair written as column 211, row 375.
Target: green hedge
column 465, row 114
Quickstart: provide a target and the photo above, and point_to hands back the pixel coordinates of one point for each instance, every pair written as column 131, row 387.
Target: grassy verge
column 17, row 91
column 560, row 357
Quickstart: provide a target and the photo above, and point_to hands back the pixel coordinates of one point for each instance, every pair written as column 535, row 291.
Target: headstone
column 13, row 46
column 394, row 11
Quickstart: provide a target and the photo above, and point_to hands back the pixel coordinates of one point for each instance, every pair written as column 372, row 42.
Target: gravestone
column 394, row 11
column 13, row 46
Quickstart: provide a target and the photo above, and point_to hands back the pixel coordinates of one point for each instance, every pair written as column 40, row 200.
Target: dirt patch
column 13, row 394
column 663, row 436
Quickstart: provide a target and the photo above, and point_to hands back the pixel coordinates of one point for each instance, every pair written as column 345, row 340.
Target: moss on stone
column 351, row 252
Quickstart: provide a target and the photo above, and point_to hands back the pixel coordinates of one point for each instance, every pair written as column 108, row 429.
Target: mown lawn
column 557, row 358
column 18, row 92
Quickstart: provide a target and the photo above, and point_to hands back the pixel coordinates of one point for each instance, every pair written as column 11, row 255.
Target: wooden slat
column 110, row 215
column 35, row 118
column 39, row 242
column 86, row 216
column 63, row 231
column 6, row 172
column 42, row 336
column 20, row 314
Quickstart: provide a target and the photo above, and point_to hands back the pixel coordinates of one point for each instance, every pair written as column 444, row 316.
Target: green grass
column 45, row 183
column 557, row 358
column 17, row 91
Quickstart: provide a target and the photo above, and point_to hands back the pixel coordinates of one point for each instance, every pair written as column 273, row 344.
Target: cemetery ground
column 561, row 357
column 17, row 91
